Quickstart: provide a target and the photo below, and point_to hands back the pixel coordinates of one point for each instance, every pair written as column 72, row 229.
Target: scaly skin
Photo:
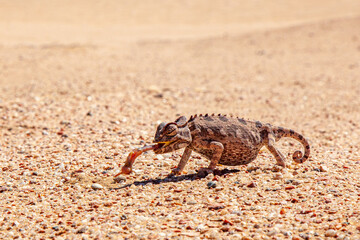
column 224, row 140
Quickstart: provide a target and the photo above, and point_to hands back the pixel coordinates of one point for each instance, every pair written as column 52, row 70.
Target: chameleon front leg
column 184, row 159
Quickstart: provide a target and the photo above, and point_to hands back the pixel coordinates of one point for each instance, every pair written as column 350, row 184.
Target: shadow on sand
column 191, row 177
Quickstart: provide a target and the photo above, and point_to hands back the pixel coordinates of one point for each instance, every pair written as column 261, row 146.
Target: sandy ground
column 84, row 83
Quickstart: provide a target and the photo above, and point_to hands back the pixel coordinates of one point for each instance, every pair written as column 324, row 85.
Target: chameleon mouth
column 161, row 145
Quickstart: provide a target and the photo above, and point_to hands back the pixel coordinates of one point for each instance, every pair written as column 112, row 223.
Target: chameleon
column 223, row 140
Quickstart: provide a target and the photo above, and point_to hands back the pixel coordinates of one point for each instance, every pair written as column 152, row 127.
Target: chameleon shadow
column 191, row 177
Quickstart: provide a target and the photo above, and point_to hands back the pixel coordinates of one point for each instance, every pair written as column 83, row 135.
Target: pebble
column 271, row 233
column 289, row 181
column 216, row 207
column 282, row 211
column 219, row 188
column 332, row 211
column 330, row 233
column 252, row 185
column 323, row 168
column 252, row 168
column 81, row 230
column 67, row 147
column 341, row 237
column 304, row 236
column 209, row 177
column 191, row 202
column 165, row 164
column 211, row 184
column 287, row 233
column 277, row 176
column 96, row 186
column 212, row 234
column 119, row 179
column 246, row 238
column 296, row 182
column 200, row 228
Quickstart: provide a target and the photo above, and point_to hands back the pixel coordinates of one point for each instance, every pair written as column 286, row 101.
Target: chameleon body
column 224, row 140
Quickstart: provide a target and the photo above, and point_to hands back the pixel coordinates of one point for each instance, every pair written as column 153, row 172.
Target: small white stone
column 210, row 176
column 341, row 237
column 96, row 186
column 200, row 228
column 330, row 233
column 166, row 164
column 323, row 168
column 124, row 120
column 191, row 202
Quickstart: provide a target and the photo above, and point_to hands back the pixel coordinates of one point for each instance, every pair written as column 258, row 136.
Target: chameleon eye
column 171, row 130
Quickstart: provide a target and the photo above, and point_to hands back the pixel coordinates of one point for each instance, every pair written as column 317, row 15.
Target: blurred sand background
column 84, row 82
column 111, row 22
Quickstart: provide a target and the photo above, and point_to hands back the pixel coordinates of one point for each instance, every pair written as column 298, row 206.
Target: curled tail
column 298, row 156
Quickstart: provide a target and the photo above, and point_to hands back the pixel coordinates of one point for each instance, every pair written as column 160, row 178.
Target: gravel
column 71, row 111
column 96, row 186
column 211, row 184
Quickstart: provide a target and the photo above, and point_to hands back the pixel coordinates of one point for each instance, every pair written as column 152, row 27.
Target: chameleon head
column 172, row 136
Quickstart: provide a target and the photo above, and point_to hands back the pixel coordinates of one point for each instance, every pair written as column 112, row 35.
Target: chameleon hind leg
column 217, row 148
column 270, row 145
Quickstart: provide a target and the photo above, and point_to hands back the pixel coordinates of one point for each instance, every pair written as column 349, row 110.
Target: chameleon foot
column 175, row 172
column 203, row 172
column 278, row 168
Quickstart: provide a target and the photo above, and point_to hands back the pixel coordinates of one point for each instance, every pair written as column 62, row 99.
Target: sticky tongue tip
column 126, row 170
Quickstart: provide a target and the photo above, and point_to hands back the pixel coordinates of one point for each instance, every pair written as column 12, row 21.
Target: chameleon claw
column 174, row 172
